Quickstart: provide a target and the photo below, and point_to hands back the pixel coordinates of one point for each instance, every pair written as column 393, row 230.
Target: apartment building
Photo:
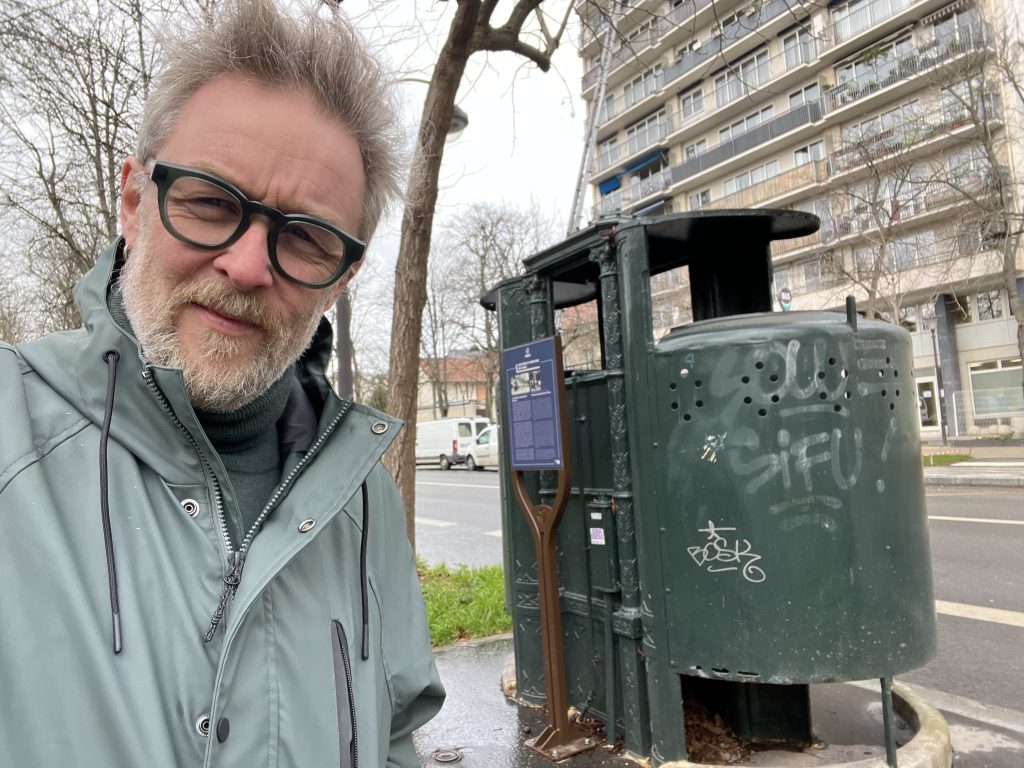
column 884, row 117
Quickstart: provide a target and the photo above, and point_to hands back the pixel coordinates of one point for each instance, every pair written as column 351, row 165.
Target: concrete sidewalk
column 479, row 728
column 1001, row 466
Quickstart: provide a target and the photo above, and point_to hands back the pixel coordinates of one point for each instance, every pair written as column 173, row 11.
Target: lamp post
column 343, row 306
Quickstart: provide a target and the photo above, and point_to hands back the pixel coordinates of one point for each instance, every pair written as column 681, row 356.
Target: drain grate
column 446, row 755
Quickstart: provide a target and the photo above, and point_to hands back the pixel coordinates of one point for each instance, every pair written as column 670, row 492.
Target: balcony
column 784, row 123
column 905, row 138
column 778, row 186
column 864, row 17
column 633, row 192
column 888, row 71
column 651, row 136
column 730, row 34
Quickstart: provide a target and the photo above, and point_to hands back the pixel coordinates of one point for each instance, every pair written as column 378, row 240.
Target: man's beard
column 222, row 373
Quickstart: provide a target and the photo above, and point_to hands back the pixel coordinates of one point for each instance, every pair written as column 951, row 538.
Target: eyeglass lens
column 206, row 214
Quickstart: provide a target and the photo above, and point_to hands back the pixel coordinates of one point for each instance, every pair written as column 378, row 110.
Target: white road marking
column 495, row 534
column 433, row 523
column 990, row 714
column 993, row 520
column 992, row 464
column 980, row 613
column 456, row 485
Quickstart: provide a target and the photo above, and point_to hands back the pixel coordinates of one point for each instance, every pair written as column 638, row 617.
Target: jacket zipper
column 343, row 681
column 236, row 559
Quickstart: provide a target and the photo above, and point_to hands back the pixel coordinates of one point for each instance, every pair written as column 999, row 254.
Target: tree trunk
column 414, row 249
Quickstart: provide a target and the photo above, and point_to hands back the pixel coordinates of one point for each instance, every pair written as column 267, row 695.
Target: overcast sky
column 525, row 134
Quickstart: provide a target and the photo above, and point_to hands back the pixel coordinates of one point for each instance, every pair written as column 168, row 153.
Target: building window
column 699, row 199
column 809, row 153
column 740, row 79
column 805, row 95
column 879, row 66
column 641, row 87
column 696, row 149
column 751, row 177
column 990, row 305
column 798, row 47
column 646, row 132
column 608, row 153
column 996, row 386
column 822, row 271
column 782, row 278
column 691, row 103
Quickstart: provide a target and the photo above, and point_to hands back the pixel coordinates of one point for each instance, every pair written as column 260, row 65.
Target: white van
column 446, row 441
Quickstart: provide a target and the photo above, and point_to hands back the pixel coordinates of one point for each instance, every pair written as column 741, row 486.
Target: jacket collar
column 152, row 415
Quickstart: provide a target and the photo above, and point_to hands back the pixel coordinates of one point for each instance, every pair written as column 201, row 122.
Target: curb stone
column 930, row 747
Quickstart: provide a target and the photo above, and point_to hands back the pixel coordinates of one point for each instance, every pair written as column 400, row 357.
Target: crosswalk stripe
column 433, row 523
column 980, row 613
column 992, row 520
column 495, row 534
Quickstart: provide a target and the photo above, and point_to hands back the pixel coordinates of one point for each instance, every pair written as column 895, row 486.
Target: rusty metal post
column 559, row 739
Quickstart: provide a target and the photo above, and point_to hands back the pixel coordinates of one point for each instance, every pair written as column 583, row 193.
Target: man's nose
column 246, row 262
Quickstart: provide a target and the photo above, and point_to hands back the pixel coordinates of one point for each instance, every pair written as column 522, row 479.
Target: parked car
column 485, row 451
column 446, row 441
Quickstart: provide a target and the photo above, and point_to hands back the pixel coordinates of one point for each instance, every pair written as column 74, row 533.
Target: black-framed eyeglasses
column 207, row 212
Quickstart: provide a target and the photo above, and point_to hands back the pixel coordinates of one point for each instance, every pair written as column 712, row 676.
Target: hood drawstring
column 110, row 357
column 362, row 572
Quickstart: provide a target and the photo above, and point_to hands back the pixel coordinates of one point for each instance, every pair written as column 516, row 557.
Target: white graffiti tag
column 717, row 555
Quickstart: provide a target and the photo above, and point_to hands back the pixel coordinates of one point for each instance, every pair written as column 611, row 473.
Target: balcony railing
column 652, row 136
column 777, row 186
column 633, row 192
column 864, row 17
column 784, row 123
column 902, row 138
column 890, row 71
column 730, row 34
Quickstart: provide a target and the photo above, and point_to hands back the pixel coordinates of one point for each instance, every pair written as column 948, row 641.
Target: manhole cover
column 447, row 755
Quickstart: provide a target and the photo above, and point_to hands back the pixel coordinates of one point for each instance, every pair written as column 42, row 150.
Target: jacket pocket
column 345, row 697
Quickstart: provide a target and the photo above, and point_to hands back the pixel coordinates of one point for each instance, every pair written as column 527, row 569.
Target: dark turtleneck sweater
column 246, row 441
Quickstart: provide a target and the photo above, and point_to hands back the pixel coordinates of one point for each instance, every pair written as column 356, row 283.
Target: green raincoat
column 319, row 654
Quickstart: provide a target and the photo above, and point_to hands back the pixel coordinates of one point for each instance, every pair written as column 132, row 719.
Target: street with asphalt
column 975, row 680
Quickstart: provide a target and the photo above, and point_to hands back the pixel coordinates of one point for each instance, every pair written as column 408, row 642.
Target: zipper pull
column 231, row 581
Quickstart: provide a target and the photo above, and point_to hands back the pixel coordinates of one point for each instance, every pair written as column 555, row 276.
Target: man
column 202, row 560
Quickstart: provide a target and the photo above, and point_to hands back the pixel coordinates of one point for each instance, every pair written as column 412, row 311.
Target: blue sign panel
column 531, row 391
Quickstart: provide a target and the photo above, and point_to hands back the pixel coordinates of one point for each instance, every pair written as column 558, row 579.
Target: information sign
column 532, row 373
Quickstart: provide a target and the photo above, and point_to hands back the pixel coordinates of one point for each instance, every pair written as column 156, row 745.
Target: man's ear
column 131, row 198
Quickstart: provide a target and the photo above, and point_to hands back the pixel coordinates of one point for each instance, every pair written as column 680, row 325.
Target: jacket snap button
column 203, row 725
column 223, row 729
column 191, row 507
column 379, row 427
column 306, row 525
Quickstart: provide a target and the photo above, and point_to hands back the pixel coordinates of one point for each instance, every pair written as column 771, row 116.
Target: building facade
column 885, row 118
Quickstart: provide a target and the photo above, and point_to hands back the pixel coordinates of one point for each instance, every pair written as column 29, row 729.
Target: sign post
column 537, row 425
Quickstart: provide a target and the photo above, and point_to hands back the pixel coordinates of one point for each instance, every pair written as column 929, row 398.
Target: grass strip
column 941, row 459
column 463, row 602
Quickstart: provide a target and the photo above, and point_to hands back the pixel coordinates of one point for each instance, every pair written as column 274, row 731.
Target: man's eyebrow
column 326, row 217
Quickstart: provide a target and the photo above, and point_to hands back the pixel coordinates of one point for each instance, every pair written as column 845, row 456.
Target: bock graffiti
column 717, row 555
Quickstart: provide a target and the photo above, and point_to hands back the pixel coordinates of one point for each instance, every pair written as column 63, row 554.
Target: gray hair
column 324, row 55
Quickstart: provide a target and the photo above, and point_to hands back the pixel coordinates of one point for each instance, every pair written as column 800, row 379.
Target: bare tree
column 486, row 243
column 441, row 323
column 986, row 91
column 74, row 75
column 473, row 29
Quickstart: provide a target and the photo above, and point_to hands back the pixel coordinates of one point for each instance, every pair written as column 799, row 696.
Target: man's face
column 225, row 317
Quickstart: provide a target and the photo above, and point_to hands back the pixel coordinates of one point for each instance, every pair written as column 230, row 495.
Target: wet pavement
column 479, row 727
